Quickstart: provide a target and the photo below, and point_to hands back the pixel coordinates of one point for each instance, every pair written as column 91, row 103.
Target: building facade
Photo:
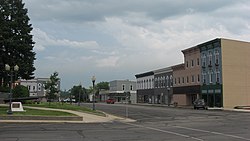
column 187, row 77
column 211, row 73
column 217, row 71
column 122, row 91
column 36, row 86
column 226, row 73
column 145, row 87
column 163, row 89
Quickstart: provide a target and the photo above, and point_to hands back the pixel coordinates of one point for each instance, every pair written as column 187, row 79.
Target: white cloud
column 111, row 61
column 139, row 36
column 43, row 40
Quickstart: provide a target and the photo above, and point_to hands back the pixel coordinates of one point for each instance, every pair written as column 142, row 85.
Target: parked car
column 200, row 103
column 110, row 101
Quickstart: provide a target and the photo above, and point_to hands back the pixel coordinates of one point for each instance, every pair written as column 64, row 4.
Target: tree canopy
column 16, row 43
column 51, row 87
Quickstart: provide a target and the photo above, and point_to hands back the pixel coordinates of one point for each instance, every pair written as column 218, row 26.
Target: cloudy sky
column 115, row 39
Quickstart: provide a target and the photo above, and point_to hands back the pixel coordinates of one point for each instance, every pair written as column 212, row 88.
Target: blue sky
column 114, row 39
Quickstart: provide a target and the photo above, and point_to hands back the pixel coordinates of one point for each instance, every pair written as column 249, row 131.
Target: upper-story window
column 204, row 77
column 179, row 80
column 193, row 78
column 187, row 79
column 203, row 59
column 210, row 76
column 187, row 64
column 198, row 61
column 192, row 63
column 156, row 82
column 217, row 56
column 131, row 87
column 210, row 58
column 171, row 81
column 123, row 87
column 183, row 80
column 217, row 73
column 167, row 81
column 198, row 78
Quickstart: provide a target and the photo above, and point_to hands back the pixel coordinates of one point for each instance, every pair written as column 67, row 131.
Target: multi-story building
column 225, row 72
column 122, row 90
column 36, row 86
column 187, row 77
column 217, row 71
column 163, row 90
column 145, row 87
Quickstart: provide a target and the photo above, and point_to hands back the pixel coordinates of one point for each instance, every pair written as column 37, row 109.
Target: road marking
column 165, row 131
column 211, row 132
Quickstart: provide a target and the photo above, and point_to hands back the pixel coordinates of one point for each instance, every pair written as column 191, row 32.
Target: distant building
column 145, row 87
column 121, row 91
column 36, row 86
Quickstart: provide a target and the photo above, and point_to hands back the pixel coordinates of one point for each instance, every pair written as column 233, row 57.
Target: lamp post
column 93, row 81
column 79, row 94
column 8, row 68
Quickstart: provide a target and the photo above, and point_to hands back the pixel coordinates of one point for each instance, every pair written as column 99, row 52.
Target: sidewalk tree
column 51, row 87
column 16, row 43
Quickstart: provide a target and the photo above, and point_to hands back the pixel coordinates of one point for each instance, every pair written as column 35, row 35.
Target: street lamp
column 79, row 94
column 93, row 81
column 8, row 68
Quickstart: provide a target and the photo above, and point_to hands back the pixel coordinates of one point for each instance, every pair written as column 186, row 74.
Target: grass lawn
column 66, row 106
column 34, row 112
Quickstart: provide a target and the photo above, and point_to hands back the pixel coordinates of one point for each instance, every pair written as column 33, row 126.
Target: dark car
column 200, row 103
column 110, row 101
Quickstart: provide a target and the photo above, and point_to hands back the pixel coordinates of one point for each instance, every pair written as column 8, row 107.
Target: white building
column 36, row 86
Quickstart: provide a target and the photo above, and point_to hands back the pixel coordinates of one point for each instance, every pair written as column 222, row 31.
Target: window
column 34, row 88
column 204, row 78
column 187, row 79
column 167, row 81
column 198, row 61
column 183, row 80
column 171, row 80
column 216, row 57
column 164, row 81
column 175, row 81
column 203, row 59
column 187, row 64
column 217, row 76
column 28, row 87
column 210, row 76
column 193, row 79
column 210, row 58
column 131, row 87
column 198, row 78
column 179, row 80
column 192, row 63
column 123, row 87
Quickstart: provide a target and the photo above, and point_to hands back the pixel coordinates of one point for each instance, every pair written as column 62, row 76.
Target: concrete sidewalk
column 86, row 118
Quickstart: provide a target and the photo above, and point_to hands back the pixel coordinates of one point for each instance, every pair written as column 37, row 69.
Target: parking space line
column 165, row 131
column 211, row 132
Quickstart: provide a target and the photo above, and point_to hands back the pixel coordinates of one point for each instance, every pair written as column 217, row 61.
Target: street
column 152, row 124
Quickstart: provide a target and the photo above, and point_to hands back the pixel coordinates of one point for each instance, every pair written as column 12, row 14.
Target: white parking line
column 211, row 132
column 165, row 131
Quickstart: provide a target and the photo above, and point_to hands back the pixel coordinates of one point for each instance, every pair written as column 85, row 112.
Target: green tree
column 16, row 43
column 79, row 93
column 103, row 85
column 52, row 87
column 20, row 91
